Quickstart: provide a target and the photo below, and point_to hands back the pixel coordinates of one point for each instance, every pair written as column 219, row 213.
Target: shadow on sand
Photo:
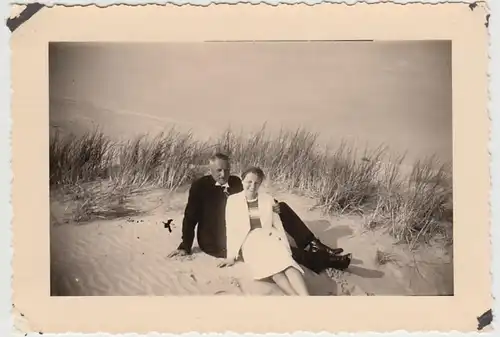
column 321, row 284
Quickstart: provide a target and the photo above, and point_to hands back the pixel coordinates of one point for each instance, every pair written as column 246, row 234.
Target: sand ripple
column 124, row 258
column 128, row 257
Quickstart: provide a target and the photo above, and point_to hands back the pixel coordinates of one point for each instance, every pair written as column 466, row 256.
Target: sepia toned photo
column 231, row 167
column 251, row 168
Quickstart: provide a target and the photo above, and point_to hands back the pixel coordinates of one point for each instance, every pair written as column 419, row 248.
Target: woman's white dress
column 263, row 250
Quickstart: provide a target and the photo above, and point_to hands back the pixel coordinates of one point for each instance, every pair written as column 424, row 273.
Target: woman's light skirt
column 265, row 253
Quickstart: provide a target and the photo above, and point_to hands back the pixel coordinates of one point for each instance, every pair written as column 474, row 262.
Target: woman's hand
column 227, row 263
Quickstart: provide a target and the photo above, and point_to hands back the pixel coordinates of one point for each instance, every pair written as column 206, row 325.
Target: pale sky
column 399, row 93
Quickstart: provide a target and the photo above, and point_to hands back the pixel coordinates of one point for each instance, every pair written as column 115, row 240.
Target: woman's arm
column 233, row 242
column 281, row 230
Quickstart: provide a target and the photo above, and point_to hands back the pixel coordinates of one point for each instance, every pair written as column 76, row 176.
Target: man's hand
column 227, row 263
column 276, row 207
column 178, row 252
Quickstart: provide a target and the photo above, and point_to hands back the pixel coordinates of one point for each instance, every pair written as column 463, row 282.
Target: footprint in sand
column 232, row 282
column 181, row 258
column 187, row 257
column 235, row 282
column 221, row 292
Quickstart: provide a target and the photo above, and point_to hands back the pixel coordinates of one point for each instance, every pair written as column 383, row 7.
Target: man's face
column 220, row 170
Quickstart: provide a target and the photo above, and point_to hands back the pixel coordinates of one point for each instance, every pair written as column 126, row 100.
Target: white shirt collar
column 225, row 185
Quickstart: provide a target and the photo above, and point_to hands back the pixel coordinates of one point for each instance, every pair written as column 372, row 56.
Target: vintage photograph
column 253, row 168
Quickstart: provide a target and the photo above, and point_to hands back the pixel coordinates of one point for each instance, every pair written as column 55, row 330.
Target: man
column 206, row 209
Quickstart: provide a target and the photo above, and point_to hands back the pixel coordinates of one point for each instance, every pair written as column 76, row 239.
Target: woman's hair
column 255, row 170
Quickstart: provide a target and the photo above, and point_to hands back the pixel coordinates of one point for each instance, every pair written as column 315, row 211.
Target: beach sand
column 128, row 256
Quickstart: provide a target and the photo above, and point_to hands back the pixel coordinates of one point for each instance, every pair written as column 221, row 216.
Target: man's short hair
column 220, row 156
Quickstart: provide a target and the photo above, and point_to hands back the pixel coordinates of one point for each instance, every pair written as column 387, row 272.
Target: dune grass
column 413, row 207
column 104, row 200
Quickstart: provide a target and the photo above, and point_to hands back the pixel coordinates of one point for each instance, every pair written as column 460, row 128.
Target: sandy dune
column 128, row 256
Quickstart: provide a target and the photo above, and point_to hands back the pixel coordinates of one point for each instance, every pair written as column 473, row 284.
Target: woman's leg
column 296, row 281
column 282, row 281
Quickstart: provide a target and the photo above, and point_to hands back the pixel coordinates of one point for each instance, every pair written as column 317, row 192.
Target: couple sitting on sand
column 233, row 217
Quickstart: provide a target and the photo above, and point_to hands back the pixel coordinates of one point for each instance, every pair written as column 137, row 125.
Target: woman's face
column 251, row 184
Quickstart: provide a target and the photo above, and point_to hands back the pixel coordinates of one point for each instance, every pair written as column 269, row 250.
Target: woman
column 254, row 228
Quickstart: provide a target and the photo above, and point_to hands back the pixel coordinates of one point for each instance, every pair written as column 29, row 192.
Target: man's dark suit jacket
column 206, row 208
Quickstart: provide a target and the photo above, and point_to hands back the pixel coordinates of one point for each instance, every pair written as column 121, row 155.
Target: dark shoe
column 340, row 262
column 316, row 262
column 320, row 260
column 317, row 246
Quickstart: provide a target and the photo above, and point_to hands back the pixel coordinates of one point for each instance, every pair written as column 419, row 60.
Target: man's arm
column 191, row 217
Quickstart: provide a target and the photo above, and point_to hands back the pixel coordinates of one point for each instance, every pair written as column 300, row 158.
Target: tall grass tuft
column 100, row 201
column 411, row 206
column 350, row 181
column 74, row 160
column 162, row 161
column 424, row 202
column 416, row 206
